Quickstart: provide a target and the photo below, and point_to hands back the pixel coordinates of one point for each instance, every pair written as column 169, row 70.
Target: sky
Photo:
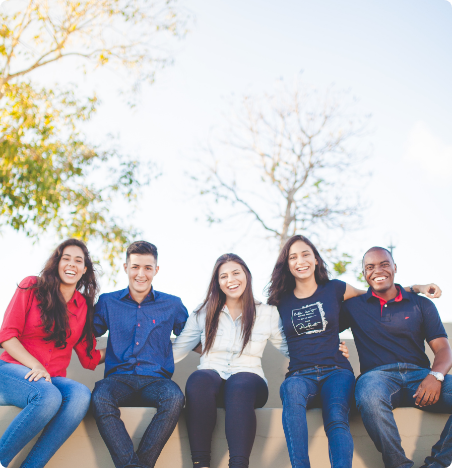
column 393, row 56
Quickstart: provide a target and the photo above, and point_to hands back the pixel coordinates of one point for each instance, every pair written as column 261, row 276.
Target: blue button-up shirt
column 139, row 334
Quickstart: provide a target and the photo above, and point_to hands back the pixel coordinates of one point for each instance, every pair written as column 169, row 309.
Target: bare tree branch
column 295, row 160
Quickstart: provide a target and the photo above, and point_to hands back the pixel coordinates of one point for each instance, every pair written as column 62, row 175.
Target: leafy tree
column 51, row 177
column 288, row 162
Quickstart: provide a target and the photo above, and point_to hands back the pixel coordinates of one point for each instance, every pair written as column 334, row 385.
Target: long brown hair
column 282, row 281
column 216, row 299
column 54, row 313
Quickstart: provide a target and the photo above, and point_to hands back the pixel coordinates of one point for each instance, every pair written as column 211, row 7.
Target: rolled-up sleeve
column 277, row 337
column 188, row 339
column 16, row 313
column 86, row 361
column 181, row 319
column 100, row 322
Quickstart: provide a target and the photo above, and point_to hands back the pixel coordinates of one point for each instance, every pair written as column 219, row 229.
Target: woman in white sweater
column 233, row 329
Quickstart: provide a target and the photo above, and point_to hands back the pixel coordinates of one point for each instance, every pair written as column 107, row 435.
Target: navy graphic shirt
column 311, row 326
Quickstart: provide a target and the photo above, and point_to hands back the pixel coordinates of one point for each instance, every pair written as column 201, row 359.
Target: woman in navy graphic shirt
column 319, row 375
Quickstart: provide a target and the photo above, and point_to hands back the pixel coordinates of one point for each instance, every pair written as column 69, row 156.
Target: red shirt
column 23, row 321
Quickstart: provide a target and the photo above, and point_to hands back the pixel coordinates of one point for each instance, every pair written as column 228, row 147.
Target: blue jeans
column 136, row 390
column 56, row 408
column 381, row 390
column 330, row 387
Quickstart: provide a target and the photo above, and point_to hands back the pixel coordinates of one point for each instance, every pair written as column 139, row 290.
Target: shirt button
column 46, row 364
column 137, row 343
column 139, row 325
column 139, row 307
column 50, row 350
column 386, row 305
column 138, row 363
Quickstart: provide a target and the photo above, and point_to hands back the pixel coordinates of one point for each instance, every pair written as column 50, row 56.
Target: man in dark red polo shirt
column 390, row 327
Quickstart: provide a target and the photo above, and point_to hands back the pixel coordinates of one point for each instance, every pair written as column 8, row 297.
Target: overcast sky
column 394, row 55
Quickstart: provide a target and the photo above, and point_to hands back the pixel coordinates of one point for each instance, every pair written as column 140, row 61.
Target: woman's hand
column 431, row 290
column 343, row 348
column 38, row 372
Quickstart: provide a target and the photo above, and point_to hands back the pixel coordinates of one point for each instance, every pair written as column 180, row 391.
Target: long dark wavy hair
column 282, row 281
column 54, row 313
column 216, row 299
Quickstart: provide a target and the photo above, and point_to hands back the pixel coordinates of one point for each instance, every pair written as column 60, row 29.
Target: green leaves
column 52, row 178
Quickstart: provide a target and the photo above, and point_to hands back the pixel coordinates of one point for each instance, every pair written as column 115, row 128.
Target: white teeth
column 70, row 273
column 233, row 287
column 380, row 278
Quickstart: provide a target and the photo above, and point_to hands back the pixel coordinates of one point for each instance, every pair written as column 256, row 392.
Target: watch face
column 438, row 376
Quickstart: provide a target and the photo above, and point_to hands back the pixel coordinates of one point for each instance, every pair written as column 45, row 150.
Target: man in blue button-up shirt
column 139, row 360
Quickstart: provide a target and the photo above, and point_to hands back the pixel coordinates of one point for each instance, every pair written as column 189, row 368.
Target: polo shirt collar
column 403, row 295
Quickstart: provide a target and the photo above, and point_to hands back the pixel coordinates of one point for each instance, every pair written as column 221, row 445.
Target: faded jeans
column 330, row 387
column 56, row 408
column 384, row 388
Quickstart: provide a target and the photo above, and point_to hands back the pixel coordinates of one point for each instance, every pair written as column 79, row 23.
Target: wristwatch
column 437, row 375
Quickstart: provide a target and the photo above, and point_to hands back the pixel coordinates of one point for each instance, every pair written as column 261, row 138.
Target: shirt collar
column 370, row 295
column 75, row 299
column 125, row 293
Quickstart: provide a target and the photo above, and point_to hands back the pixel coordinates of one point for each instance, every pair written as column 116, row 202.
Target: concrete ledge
column 419, row 431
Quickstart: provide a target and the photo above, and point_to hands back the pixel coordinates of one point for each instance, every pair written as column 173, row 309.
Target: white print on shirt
column 309, row 319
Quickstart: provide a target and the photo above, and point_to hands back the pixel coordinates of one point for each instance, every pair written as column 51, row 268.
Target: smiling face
column 72, row 265
column 232, row 279
column 141, row 270
column 302, row 261
column 379, row 270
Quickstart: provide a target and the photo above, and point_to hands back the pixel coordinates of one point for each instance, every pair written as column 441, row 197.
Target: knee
column 370, row 397
column 47, row 396
column 101, row 399
column 336, row 416
column 291, row 390
column 199, row 381
column 173, row 396
column 79, row 397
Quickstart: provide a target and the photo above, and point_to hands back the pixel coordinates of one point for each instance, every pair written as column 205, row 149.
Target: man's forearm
column 443, row 361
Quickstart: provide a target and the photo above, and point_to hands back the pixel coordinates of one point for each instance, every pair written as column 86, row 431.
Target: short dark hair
column 141, row 248
column 376, row 248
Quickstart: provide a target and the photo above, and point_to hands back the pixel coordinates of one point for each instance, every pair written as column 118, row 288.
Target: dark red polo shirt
column 22, row 320
column 393, row 331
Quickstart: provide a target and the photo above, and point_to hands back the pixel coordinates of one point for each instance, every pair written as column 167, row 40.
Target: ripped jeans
column 331, row 388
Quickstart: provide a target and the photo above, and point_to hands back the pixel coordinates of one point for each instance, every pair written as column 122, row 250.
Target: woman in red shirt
column 48, row 316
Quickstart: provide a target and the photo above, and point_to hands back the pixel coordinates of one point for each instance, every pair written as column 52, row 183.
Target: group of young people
column 55, row 312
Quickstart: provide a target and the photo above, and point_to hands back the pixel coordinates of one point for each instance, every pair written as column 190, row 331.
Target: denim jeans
column 381, row 390
column 330, row 387
column 136, row 390
column 56, row 408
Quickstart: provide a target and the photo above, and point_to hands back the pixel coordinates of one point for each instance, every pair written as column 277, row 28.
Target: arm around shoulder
column 277, row 336
column 100, row 317
column 188, row 339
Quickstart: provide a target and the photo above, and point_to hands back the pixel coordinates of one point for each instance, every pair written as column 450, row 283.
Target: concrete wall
column 419, row 430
